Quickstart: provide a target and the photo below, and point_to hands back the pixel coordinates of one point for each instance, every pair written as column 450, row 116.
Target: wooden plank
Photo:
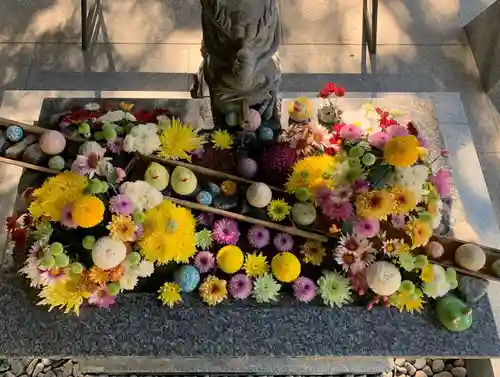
column 236, row 216
column 28, row 166
column 26, row 127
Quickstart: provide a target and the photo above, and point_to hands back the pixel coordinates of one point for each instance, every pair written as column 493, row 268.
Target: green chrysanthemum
column 42, row 230
column 203, row 239
column 407, row 261
column 265, row 289
column 278, row 210
column 334, row 289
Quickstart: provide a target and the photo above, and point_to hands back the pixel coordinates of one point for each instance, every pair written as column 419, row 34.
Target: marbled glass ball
column 247, row 168
column 204, row 197
column 15, row 133
column 188, row 278
column 266, row 134
column 56, row 163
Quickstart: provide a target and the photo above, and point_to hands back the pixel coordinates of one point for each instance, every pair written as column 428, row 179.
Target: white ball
column 470, row 256
column 259, row 195
column 108, row 253
column 383, row 278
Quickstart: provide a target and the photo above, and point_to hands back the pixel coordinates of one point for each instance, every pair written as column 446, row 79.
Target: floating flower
column 398, row 221
column 258, row 236
column 313, row 252
column 351, row 132
column 142, row 138
column 228, row 187
column 240, row 286
column 226, row 232
column 311, row 172
column 122, row 228
column 121, row 204
column 265, row 289
column 255, row 264
column 87, row 211
column 67, row 218
column 420, row 232
column 367, row 228
column 101, row 298
column 213, row 290
column 337, row 210
column 178, row 140
column 142, row 194
column 304, row 289
column 91, row 160
column 66, row 294
column 278, row 210
column 170, row 294
column 222, row 139
column 283, row 242
column 204, row 261
column 169, row 234
column 334, row 289
column 401, row 151
column 407, row 297
column 205, row 219
column 375, row 204
column 203, row 239
column 404, row 200
column 443, row 182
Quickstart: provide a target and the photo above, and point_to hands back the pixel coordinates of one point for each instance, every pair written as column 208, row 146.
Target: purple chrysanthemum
column 304, row 289
column 121, row 204
column 283, row 242
column 360, row 185
column 225, row 231
column 66, row 218
column 204, row 261
column 367, row 228
column 240, row 286
column 258, row 236
column 115, row 146
column 398, row 221
column 139, row 231
column 337, row 210
column 205, row 219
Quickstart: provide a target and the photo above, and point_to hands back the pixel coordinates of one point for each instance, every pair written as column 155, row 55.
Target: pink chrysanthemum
column 121, row 204
column 336, row 210
column 258, row 236
column 443, row 182
column 205, row 219
column 115, row 146
column 322, row 194
column 360, row 186
column 354, row 244
column 398, row 221
column 367, row 228
column 346, row 258
column 240, row 286
column 225, row 231
column 396, row 130
column 66, row 218
column 365, row 259
column 358, row 283
column 283, row 242
column 378, row 139
column 304, row 289
column 92, row 161
column 351, row 132
column 52, row 275
column 342, row 193
column 204, row 261
column 102, row 299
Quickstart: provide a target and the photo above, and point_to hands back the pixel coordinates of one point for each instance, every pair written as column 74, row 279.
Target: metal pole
column 84, row 24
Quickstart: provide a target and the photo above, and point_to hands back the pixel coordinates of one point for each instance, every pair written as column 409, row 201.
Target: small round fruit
column 84, row 128
column 98, row 135
column 76, row 268
column 407, row 286
column 110, row 134
column 88, row 242
column 56, row 248
column 56, row 163
column 285, row 267
column 470, row 256
column 134, row 258
column 114, row 289
column 61, row 260
column 47, row 262
column 356, row 151
column 303, row 194
column 369, row 159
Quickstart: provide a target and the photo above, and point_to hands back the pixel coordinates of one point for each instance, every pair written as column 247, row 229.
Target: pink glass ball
column 254, row 120
column 52, row 142
column 434, row 250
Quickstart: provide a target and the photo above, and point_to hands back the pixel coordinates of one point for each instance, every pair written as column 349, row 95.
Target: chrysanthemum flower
column 367, row 228
column 98, row 276
column 342, row 193
column 304, row 289
column 240, row 286
column 265, row 289
column 311, row 172
column 203, row 239
column 392, row 246
column 427, row 274
column 283, row 242
column 407, row 261
column 334, row 289
column 353, row 243
column 178, row 140
column 213, row 290
column 121, row 204
column 346, row 258
column 122, row 228
column 228, row 187
column 101, row 298
column 170, row 294
column 67, row 218
column 258, row 236
column 443, row 182
column 378, row 139
column 87, row 211
column 204, row 261
column 226, row 232
column 53, row 275
column 115, row 146
column 404, row 200
column 402, row 151
column 205, row 219
column 337, row 210
column 222, row 139
column 91, row 159
column 408, row 298
column 278, row 210
column 398, row 221
column 375, row 204
column 169, row 234
column 420, row 232
column 313, row 252
column 255, row 264
column 66, row 294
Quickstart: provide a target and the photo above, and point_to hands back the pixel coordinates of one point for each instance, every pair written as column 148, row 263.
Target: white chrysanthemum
column 92, row 106
column 143, row 139
column 265, row 288
column 116, row 116
column 128, row 281
column 32, row 272
column 107, row 253
column 412, row 178
column 145, row 269
column 142, row 194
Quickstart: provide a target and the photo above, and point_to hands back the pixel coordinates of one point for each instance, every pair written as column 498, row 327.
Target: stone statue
column 240, row 40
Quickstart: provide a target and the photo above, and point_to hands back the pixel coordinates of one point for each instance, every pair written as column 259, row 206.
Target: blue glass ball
column 188, row 278
column 204, row 197
column 266, row 134
column 15, row 133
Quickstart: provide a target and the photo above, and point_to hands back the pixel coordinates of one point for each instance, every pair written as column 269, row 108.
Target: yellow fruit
column 230, row 259
column 285, row 267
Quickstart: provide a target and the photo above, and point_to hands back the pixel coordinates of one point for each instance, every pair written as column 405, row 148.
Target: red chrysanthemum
column 10, row 223
column 19, row 237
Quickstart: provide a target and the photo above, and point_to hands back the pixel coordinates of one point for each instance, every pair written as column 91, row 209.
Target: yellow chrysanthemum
column 125, row 106
column 88, row 211
column 278, row 210
column 375, row 204
column 311, row 172
column 230, row 259
column 98, row 276
column 222, row 139
column 177, row 140
column 66, row 294
column 56, row 193
column 213, row 290
column 404, row 200
column 427, row 274
column 402, row 151
column 122, row 228
column 409, row 301
column 420, row 232
column 393, row 247
column 313, row 252
column 170, row 294
column 255, row 264
column 285, row 267
column 169, row 234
